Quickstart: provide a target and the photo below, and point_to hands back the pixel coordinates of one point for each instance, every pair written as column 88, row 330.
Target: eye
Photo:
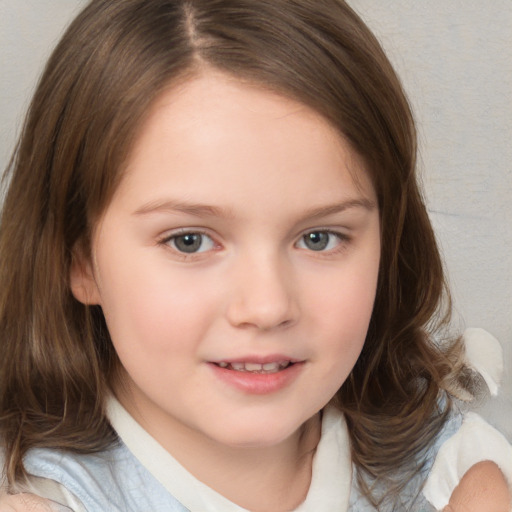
column 191, row 243
column 320, row 241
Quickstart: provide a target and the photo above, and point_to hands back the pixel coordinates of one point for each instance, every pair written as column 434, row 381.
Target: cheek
column 341, row 324
column 149, row 309
column 347, row 301
column 342, row 316
column 346, row 328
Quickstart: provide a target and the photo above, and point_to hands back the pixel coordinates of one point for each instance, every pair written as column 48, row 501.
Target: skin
column 256, row 173
column 482, row 489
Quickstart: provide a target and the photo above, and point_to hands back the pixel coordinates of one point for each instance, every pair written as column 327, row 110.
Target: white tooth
column 238, row 366
column 223, row 364
column 253, row 367
column 284, row 364
column 271, row 367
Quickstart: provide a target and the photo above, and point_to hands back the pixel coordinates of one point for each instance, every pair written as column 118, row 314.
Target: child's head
column 99, row 92
column 237, row 236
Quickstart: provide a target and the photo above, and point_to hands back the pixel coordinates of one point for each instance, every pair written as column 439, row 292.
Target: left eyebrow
column 325, row 211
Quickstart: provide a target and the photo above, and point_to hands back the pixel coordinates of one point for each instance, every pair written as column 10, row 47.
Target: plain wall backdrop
column 455, row 60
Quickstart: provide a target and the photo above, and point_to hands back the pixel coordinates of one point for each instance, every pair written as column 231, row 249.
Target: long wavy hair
column 56, row 358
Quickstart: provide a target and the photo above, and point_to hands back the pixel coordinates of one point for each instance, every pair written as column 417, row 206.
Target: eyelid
column 343, row 233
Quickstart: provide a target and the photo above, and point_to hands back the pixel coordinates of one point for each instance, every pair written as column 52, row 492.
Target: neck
column 262, row 479
column 259, row 478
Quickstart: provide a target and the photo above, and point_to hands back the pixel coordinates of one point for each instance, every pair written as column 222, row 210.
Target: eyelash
column 342, row 238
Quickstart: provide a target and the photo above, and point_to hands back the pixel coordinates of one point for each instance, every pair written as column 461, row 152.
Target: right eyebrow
column 173, row 206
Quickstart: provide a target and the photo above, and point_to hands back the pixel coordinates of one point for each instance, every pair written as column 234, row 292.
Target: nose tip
column 263, row 318
column 264, row 300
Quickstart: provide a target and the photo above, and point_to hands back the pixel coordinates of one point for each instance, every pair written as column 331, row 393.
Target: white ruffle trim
column 476, row 441
column 485, row 356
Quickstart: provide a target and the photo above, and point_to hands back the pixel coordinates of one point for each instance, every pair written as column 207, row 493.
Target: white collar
column 330, row 483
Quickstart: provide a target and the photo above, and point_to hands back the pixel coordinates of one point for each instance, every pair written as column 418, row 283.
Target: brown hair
column 115, row 59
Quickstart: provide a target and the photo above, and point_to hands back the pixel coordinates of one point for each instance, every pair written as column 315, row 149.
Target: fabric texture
column 117, row 480
column 329, row 490
column 139, row 475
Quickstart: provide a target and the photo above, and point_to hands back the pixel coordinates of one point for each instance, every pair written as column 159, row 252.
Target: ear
column 82, row 280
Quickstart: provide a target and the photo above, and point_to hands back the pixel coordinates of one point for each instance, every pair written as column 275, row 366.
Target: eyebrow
column 204, row 210
column 171, row 206
column 325, row 211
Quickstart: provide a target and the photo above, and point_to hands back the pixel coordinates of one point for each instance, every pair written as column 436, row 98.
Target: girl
column 220, row 289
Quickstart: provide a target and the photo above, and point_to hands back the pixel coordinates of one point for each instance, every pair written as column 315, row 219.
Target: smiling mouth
column 266, row 368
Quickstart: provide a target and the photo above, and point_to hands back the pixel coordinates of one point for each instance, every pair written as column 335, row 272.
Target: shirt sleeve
column 476, row 440
column 484, row 355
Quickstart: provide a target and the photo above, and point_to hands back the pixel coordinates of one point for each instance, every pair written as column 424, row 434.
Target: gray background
column 455, row 59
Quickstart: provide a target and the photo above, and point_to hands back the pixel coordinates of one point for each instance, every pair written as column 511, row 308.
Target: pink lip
column 258, row 383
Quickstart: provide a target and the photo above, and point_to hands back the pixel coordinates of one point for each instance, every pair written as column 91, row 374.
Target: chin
column 257, row 434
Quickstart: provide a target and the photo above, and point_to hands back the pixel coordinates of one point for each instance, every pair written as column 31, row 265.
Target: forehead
column 215, row 129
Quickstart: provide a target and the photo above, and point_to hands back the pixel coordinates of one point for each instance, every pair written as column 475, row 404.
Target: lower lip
column 258, row 383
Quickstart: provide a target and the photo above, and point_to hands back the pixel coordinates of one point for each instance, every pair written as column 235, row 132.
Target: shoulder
column 112, row 480
column 81, row 475
column 475, row 452
column 79, row 482
column 483, row 487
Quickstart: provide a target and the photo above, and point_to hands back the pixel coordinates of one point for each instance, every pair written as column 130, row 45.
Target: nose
column 263, row 295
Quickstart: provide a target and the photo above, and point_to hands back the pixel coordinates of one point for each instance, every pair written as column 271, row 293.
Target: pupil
column 316, row 241
column 188, row 243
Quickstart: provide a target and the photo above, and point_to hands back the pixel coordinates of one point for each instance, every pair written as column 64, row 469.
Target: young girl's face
column 236, row 265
